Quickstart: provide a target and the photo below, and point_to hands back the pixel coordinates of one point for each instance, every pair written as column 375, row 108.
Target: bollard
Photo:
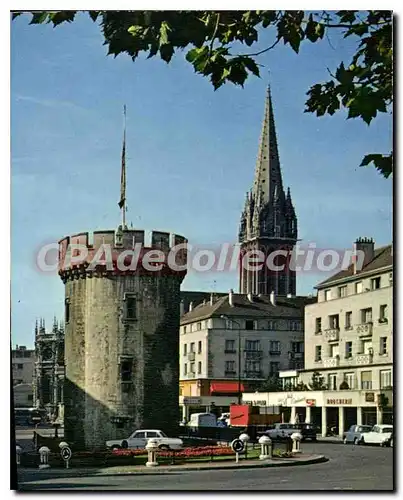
column 267, row 448
column 245, row 438
column 18, row 451
column 152, row 447
column 296, row 442
column 44, row 457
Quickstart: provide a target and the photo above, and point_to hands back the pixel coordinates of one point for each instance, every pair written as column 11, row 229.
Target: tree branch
column 261, row 52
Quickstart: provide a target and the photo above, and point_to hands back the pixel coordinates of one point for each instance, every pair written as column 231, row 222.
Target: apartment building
column 231, row 344
column 23, row 362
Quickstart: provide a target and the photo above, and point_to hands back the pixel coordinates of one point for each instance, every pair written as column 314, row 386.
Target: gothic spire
column 268, row 172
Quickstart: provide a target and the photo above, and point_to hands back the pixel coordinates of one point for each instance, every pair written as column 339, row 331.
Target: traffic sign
column 237, row 445
column 65, row 452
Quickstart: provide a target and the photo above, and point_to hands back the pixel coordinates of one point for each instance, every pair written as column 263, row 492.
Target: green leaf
column 166, row 52
column 310, row 30
column 320, row 30
column 164, row 33
column 251, row 65
column 383, row 163
column 94, row 14
column 39, row 17
column 15, row 14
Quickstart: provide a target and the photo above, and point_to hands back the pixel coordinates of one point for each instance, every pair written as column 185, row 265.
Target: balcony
column 331, row 362
column 191, row 375
column 231, row 373
column 274, row 353
column 364, row 359
column 332, row 334
column 253, row 354
column 257, row 374
column 191, row 356
column 230, row 351
column 365, row 329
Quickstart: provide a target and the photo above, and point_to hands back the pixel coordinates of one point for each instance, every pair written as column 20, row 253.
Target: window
column 376, row 283
column 185, row 329
column 334, row 321
column 274, row 368
column 297, row 347
column 349, row 378
column 185, row 369
column 249, row 324
column 199, row 367
column 295, row 326
column 366, row 380
column 386, row 379
column 334, row 350
column 327, row 294
column 342, row 291
column 198, row 325
column 348, row 322
column 252, row 345
column 192, row 368
column 383, row 345
column 349, row 349
column 126, row 369
column 152, row 434
column 275, row 346
column 332, row 381
column 367, row 347
column 318, row 325
column 130, row 307
column 272, row 325
column 228, row 324
column 67, row 310
column 252, row 367
column 199, row 347
column 20, row 366
column 140, row 435
column 192, row 347
column 318, row 353
column 230, row 367
column 185, row 349
column 358, row 287
column 383, row 314
column 230, row 346
column 366, row 315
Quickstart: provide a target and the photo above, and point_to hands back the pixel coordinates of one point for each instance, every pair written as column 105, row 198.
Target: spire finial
column 122, row 201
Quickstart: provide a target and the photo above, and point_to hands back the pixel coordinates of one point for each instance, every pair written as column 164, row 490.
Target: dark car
column 308, row 431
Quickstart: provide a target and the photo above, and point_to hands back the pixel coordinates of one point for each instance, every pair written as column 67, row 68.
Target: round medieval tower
column 121, row 333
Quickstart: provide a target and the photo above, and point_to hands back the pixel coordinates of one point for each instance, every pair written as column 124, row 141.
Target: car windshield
column 387, row 429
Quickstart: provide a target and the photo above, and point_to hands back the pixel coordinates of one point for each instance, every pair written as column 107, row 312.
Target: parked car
column 140, row 438
column 308, row 431
column 379, row 434
column 281, row 431
column 354, row 434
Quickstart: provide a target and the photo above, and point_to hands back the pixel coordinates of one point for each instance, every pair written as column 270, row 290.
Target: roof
column 261, row 307
column 197, row 297
column 382, row 258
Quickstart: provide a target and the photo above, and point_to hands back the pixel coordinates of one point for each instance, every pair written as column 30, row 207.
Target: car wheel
column 345, row 441
column 314, row 439
column 357, row 441
column 125, row 444
column 116, row 447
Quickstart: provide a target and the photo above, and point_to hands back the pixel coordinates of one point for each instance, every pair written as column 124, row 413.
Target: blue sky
column 190, row 154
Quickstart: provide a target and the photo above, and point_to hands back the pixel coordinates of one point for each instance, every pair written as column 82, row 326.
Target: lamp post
column 223, row 316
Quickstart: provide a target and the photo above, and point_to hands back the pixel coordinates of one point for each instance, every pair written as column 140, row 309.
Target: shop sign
column 191, row 401
column 339, row 401
column 311, row 402
column 289, row 400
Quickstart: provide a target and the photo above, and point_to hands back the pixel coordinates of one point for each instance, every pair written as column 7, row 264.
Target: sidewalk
column 25, row 475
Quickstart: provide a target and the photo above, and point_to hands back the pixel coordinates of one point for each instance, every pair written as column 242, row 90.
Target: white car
column 379, row 434
column 140, row 438
column 280, row 430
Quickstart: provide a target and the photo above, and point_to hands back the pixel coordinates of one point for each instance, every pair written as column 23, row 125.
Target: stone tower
column 121, row 334
column 268, row 221
column 49, row 367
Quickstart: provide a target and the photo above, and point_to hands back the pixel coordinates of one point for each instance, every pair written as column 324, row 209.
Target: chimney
column 211, row 299
column 204, row 302
column 182, row 308
column 273, row 298
column 363, row 253
column 250, row 297
column 190, row 306
column 231, row 297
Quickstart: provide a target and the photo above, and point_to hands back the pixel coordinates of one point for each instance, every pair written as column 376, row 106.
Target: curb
column 169, row 469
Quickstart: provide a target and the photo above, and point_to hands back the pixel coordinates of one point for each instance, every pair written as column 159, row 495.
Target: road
column 349, row 468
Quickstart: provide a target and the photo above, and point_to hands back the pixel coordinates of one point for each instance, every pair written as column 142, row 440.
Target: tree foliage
column 212, row 39
column 317, row 382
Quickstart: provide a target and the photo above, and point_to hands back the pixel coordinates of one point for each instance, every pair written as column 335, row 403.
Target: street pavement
column 350, row 468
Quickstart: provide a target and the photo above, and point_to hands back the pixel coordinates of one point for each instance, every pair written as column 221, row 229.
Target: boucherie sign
column 339, row 401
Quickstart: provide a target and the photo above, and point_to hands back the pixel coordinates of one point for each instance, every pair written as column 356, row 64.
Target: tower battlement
column 130, row 251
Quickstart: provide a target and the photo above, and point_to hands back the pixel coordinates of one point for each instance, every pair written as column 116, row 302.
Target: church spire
column 268, row 172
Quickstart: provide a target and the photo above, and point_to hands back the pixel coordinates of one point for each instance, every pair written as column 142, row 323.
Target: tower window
column 126, row 370
column 130, row 307
column 67, row 310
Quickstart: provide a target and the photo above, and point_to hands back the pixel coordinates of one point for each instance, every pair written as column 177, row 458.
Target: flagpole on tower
column 122, row 201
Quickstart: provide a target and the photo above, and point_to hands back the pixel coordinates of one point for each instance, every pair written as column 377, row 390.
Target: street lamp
column 223, row 316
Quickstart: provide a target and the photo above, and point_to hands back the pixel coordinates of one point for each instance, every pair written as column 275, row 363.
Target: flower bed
column 194, row 452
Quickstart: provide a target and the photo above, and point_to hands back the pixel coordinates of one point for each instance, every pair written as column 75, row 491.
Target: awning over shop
column 225, row 388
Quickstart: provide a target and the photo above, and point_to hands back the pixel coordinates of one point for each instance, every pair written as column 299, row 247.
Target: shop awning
column 225, row 388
